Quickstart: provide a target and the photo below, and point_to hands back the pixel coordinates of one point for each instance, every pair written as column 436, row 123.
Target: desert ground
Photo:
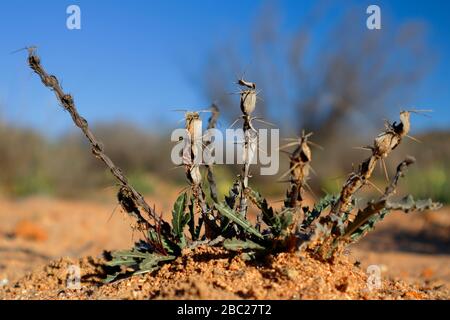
column 41, row 236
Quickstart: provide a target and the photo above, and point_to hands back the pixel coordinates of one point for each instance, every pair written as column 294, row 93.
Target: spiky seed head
column 193, row 126
column 384, row 143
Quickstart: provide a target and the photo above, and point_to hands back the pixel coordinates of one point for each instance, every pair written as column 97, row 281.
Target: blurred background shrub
column 340, row 85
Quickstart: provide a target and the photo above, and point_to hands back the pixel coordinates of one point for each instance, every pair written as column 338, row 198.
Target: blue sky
column 133, row 60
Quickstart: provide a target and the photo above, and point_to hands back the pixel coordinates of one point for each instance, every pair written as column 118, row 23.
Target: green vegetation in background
column 141, row 182
column 432, row 182
column 36, row 183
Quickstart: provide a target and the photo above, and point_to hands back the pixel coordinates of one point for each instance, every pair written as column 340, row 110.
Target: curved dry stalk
column 384, row 143
column 128, row 197
column 374, row 208
column 248, row 105
column 212, row 122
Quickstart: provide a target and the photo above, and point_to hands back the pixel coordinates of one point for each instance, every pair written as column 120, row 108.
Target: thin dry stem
column 192, row 152
column 248, row 104
column 374, row 208
column 299, row 168
column 212, row 122
column 128, row 197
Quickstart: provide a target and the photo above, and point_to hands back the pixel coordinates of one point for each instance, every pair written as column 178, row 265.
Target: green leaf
column 121, row 262
column 408, row 204
column 152, row 260
column 236, row 245
column 180, row 219
column 325, row 202
column 111, row 277
column 286, row 217
column 168, row 245
column 141, row 262
column 143, row 271
column 238, row 219
column 270, row 218
column 369, row 225
column 125, row 254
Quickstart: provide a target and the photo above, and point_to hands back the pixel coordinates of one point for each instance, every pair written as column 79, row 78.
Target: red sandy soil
column 411, row 250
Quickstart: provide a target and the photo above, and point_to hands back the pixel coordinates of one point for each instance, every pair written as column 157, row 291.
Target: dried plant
column 192, row 155
column 224, row 223
column 212, row 123
column 248, row 105
column 387, row 141
column 128, row 197
column 156, row 232
column 299, row 168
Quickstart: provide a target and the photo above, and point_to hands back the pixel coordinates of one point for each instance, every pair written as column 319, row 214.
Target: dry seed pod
column 391, row 138
column 193, row 124
column 194, row 128
column 383, row 145
column 248, row 101
column 248, row 96
column 299, row 168
column 193, row 148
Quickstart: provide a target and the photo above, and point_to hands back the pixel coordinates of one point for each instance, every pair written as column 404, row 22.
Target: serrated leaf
column 236, row 244
column 286, row 218
column 238, row 219
column 408, row 204
column 325, row 202
column 270, row 218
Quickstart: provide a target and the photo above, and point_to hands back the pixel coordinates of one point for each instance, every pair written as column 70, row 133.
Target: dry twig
column 299, row 168
column 248, row 104
column 212, row 122
column 192, row 154
column 130, row 199
column 383, row 145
